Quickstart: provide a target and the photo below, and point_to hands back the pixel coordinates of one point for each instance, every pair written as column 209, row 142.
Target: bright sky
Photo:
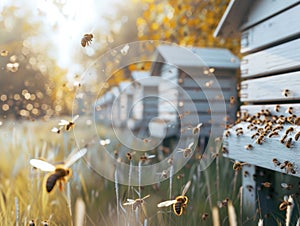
column 75, row 19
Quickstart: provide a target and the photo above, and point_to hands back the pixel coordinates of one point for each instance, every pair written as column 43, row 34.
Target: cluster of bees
column 264, row 125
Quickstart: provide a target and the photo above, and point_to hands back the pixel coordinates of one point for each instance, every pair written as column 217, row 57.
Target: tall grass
column 23, row 196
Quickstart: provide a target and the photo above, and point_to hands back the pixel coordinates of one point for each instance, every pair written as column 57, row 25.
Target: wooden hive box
column 123, row 104
column 270, row 87
column 144, row 106
column 182, row 101
column 103, row 108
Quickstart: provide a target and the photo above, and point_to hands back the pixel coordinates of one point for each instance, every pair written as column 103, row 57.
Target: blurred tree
column 30, row 81
column 184, row 22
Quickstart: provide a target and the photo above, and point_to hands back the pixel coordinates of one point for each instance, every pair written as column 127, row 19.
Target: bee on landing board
column 86, row 40
column 58, row 173
column 179, row 203
column 135, row 203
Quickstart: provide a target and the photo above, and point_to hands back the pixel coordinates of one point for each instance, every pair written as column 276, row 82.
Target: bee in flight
column 86, row 40
column 179, row 203
column 135, row 203
column 60, row 172
column 65, row 124
column 186, row 151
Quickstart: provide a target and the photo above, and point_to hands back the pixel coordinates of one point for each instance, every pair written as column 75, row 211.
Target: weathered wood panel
column 208, row 94
column 275, row 109
column 207, row 82
column 281, row 58
column 263, row 155
column 271, row 88
column 276, row 29
column 261, row 10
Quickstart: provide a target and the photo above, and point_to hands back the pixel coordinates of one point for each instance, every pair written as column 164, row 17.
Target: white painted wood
column 282, row 26
column 280, row 58
column 271, row 88
column 262, row 155
column 162, row 129
column 260, row 10
column 249, row 195
column 253, row 109
column 208, row 82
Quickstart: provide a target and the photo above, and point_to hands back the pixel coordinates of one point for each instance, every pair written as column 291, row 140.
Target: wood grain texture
column 276, row 29
column 261, row 10
column 271, row 88
column 281, row 58
column 262, row 155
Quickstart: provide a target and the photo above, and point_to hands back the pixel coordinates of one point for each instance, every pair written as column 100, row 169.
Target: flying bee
column 238, row 165
column 186, row 151
column 86, row 40
column 266, row 184
column 284, row 204
column 286, row 92
column 196, row 130
column 223, row 203
column 129, row 155
column 45, row 223
column 276, row 162
column 135, row 203
column 104, row 142
column 248, row 147
column 277, row 108
column 57, row 130
column 297, row 136
column 204, row 216
column 31, row 223
column 146, row 157
column 179, row 203
column 286, row 186
column 58, row 173
column 288, row 143
column 68, row 124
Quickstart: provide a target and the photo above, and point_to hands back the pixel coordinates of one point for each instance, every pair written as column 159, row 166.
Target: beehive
column 188, row 92
column 270, row 95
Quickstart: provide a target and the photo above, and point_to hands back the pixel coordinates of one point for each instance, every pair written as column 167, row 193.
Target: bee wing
column 191, row 145
column 147, row 196
column 74, row 157
column 54, row 130
column 42, row 165
column 75, row 118
column 180, row 150
column 129, row 202
column 186, row 187
column 63, row 122
column 166, row 203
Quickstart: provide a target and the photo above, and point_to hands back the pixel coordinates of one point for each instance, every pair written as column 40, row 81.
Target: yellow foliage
column 187, row 22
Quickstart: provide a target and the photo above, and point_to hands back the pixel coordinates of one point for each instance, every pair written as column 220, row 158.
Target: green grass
column 23, row 196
